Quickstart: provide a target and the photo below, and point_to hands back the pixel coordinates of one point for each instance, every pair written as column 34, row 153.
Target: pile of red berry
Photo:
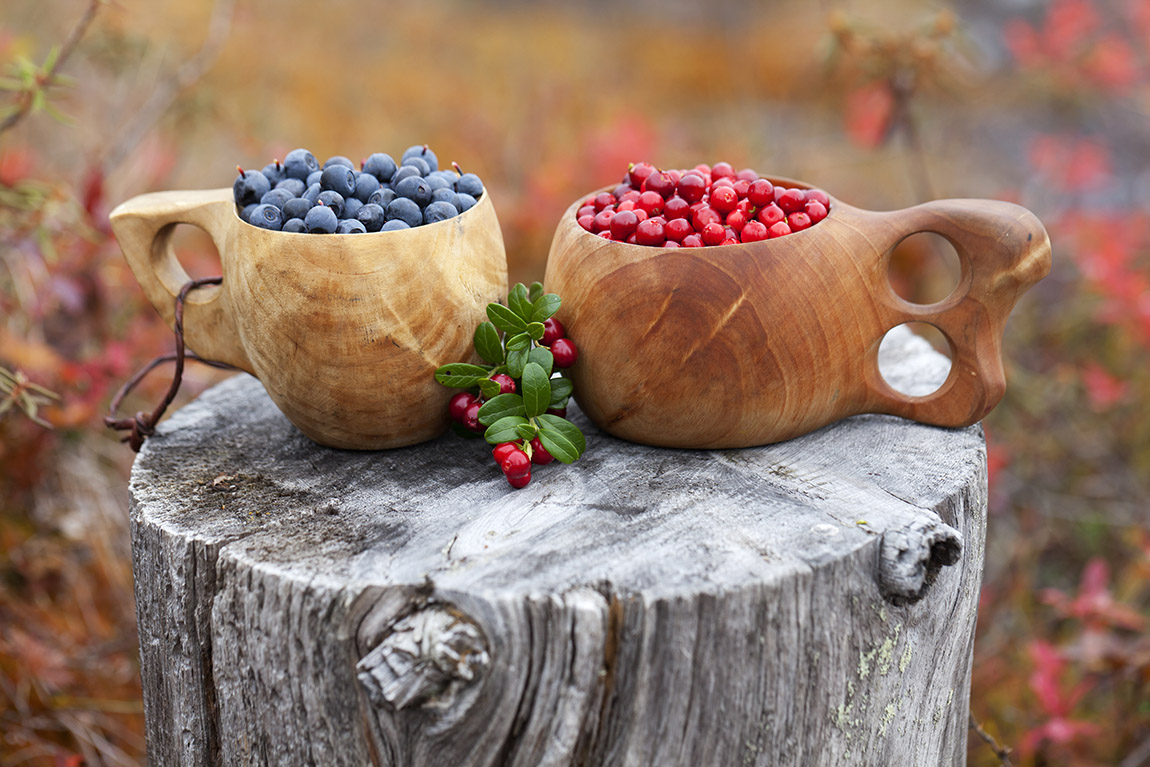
column 707, row 205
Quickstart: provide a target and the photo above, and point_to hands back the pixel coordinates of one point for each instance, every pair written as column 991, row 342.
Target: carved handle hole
column 924, row 268
column 916, row 383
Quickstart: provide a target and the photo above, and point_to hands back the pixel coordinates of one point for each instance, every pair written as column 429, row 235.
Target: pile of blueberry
column 297, row 195
column 706, row 205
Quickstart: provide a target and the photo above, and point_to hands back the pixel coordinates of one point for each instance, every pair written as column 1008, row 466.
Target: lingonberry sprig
column 518, row 400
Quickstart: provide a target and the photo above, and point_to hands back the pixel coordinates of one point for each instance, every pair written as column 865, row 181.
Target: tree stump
column 806, row 603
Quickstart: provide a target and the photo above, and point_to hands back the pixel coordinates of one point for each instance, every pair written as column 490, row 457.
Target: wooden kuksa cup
column 748, row 344
column 344, row 331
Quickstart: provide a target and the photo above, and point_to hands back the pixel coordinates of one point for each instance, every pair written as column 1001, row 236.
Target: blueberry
column 439, row 211
column 350, row 226
column 273, row 172
column 314, row 177
column 246, row 213
column 405, row 210
column 277, row 197
column 371, row 216
column 365, row 186
column 312, row 193
column 470, row 184
column 249, row 187
column 416, row 189
column 447, row 175
column 338, row 160
column 333, row 200
column 437, row 182
column 295, row 225
column 382, row 197
column 407, row 171
column 338, row 178
column 446, row 195
column 394, row 225
column 466, row 202
column 351, row 208
column 299, row 163
column 293, row 185
column 297, row 207
column 418, row 162
column 421, row 151
column 267, row 217
column 321, row 220
column 382, row 166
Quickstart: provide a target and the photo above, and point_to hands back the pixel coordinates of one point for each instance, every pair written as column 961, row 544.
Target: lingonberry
column 458, row 405
column 501, row 451
column 625, row 205
column 703, row 170
column 676, row 207
column 818, row 195
column 692, row 241
column 661, row 183
column 736, row 220
column 747, row 174
column 632, row 196
column 761, row 192
column 671, row 244
column 471, row 418
column 741, row 186
column 623, row 224
column 564, row 352
column 724, row 199
column 650, row 202
column 516, row 467
column 586, row 210
column 605, row 234
column 730, row 241
column 604, row 199
column 650, row 232
column 779, row 230
column 520, row 481
column 754, row 231
column 603, row 219
column 771, row 215
column 506, row 383
column 587, row 222
column 792, row 200
column 798, row 221
column 621, row 190
column 677, row 228
column 642, row 214
column 692, row 187
column 816, row 210
column 724, row 181
column 553, row 330
column 639, row 172
column 703, row 216
column 539, row 454
column 713, row 234
column 722, row 170
column 559, row 411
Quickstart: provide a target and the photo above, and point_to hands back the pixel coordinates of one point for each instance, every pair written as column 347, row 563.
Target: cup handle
column 144, row 226
column 1003, row 249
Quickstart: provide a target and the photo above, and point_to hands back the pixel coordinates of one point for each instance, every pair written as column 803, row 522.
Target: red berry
column 564, row 352
column 471, row 418
column 713, row 234
column 724, row 199
column 761, row 192
column 621, row 190
column 675, row 175
column 779, row 230
column 671, row 244
column 651, row 202
column 692, row 241
column 642, row 214
column 559, row 411
column 458, row 405
column 676, row 207
column 586, row 210
column 692, row 187
column 519, row 482
column 818, row 195
column 799, row 221
column 639, row 172
column 517, row 467
column 677, row 228
column 587, row 222
column 754, row 231
column 703, row 170
column 741, row 186
column 506, row 383
column 553, row 330
column 625, row 205
column 736, row 220
column 816, row 210
column 623, row 224
column 603, row 219
column 604, row 199
column 722, row 170
column 703, row 216
column 746, row 174
column 605, row 234
column 632, row 196
column 792, row 200
column 539, row 454
column 631, row 240
column 746, row 208
column 730, row 241
column 725, row 181
column 661, row 183
column 501, row 451
column 650, row 232
column 771, row 215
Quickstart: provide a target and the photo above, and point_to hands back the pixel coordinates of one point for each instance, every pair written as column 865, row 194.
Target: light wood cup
column 740, row 345
column 344, row 331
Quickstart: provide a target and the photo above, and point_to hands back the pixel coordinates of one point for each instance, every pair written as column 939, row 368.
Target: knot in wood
column 911, row 556
column 428, row 656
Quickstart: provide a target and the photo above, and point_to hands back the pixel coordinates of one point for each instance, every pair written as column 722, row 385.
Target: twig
column 1002, row 752
column 162, row 98
column 902, row 87
column 49, row 77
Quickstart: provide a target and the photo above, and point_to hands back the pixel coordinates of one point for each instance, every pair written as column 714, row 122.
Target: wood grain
column 808, row 603
column 344, row 331
column 754, row 343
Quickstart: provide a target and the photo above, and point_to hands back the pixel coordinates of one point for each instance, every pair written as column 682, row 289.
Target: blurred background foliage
column 885, row 104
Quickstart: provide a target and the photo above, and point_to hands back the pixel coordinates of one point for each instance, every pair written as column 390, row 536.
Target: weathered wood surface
column 807, row 603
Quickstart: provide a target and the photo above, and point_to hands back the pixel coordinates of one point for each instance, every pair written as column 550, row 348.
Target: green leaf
column 488, row 387
column 518, row 302
column 536, row 389
column 487, row 343
column 561, row 438
column 545, row 306
column 501, row 407
column 526, row 431
column 460, row 375
column 542, row 357
column 535, row 330
column 561, row 389
column 535, row 291
column 504, row 430
column 515, row 362
column 519, row 342
column 505, row 319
